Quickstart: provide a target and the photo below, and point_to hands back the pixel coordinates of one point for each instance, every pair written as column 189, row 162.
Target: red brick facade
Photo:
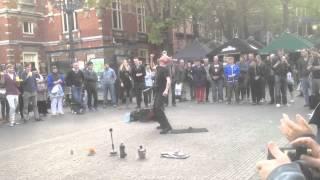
column 48, row 43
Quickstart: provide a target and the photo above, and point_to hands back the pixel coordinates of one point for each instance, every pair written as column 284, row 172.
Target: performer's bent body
column 162, row 85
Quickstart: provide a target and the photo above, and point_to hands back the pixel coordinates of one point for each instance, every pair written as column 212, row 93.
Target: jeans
column 5, row 109
column 56, row 105
column 233, row 87
column 217, row 89
column 13, row 102
column 92, row 92
column 77, row 98
column 270, row 81
column 281, row 86
column 107, row 88
column 28, row 98
column 305, row 85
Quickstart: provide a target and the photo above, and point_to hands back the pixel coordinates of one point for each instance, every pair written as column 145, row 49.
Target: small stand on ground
column 113, row 152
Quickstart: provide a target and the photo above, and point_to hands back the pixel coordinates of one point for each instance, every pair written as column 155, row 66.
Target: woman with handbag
column 56, row 93
column 42, row 94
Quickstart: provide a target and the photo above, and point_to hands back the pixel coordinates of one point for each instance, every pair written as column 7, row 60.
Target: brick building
column 36, row 32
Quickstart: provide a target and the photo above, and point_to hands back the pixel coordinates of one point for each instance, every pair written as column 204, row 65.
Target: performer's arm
column 166, row 91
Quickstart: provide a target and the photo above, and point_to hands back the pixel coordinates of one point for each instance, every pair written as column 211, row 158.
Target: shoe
column 16, row 123
column 39, row 119
column 288, row 105
column 292, row 100
column 61, row 113
column 11, row 124
column 174, row 105
column 278, row 105
column 306, row 105
column 220, row 101
column 159, row 127
column 95, row 109
column 53, row 114
column 271, row 102
column 114, row 105
column 165, row 131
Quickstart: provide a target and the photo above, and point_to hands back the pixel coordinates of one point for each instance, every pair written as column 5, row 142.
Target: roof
column 288, row 42
column 193, row 51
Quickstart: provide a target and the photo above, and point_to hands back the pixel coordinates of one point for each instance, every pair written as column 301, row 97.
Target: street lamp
column 69, row 7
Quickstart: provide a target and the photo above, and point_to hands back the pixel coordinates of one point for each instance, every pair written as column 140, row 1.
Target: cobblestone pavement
column 235, row 142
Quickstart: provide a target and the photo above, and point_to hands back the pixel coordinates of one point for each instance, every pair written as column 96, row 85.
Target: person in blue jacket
column 232, row 73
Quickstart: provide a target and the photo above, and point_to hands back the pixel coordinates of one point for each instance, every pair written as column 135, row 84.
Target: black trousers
column 20, row 99
column 158, row 108
column 5, row 109
column 125, row 94
column 42, row 107
column 270, row 82
column 173, row 94
column 256, row 90
column 92, row 93
column 208, row 85
column 139, row 87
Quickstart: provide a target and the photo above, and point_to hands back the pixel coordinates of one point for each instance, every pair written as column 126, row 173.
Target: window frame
column 30, row 26
column 141, row 16
column 118, row 11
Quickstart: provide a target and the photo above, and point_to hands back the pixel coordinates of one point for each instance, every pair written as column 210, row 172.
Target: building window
column 116, row 14
column 141, row 13
column 65, row 22
column 28, row 28
column 143, row 54
column 32, row 58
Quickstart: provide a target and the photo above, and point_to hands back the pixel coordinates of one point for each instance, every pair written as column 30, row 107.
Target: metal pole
column 70, row 24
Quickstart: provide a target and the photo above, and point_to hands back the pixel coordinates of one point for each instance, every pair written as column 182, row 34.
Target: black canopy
column 194, row 51
column 233, row 47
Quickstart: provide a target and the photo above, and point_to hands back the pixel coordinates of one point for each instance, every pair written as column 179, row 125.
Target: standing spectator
column 232, row 73
column 189, row 79
column 206, row 66
column 199, row 81
column 172, row 70
column 281, row 69
column 56, row 93
column 269, row 74
column 303, row 74
column 255, row 76
column 180, row 76
column 108, row 79
column 11, row 82
column 216, row 74
column 149, row 83
column 290, row 80
column 5, row 108
column 42, row 94
column 138, row 74
column 91, row 79
column 29, row 86
column 125, row 81
column 314, row 67
column 75, row 79
column 243, row 78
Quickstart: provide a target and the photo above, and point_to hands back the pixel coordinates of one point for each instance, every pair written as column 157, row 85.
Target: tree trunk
column 285, row 6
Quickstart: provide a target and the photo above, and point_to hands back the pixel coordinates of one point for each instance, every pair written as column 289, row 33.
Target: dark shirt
column 11, row 85
column 138, row 70
column 315, row 73
column 90, row 78
column 302, row 66
column 29, row 83
column 281, row 70
column 216, row 70
column 199, row 76
column 75, row 78
column 269, row 72
column 161, row 78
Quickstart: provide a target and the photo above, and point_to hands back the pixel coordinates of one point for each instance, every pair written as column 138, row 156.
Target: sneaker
column 16, row 123
column 278, row 105
column 61, row 113
column 11, row 124
column 39, row 119
column 53, row 114
column 220, row 101
column 159, row 127
column 292, row 100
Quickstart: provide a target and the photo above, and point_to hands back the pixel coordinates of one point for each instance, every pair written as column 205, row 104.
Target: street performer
column 162, row 85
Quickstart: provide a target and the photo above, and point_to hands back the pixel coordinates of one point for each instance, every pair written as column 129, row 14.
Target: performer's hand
column 294, row 129
column 312, row 161
column 165, row 93
column 265, row 167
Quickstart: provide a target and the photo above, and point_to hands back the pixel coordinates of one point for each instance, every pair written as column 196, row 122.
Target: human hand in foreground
column 312, row 161
column 265, row 167
column 294, row 129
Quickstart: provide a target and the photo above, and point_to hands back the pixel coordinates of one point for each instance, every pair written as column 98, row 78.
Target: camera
column 294, row 153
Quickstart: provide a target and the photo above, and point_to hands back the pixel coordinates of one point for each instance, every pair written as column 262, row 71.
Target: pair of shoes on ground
column 60, row 113
column 13, row 124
